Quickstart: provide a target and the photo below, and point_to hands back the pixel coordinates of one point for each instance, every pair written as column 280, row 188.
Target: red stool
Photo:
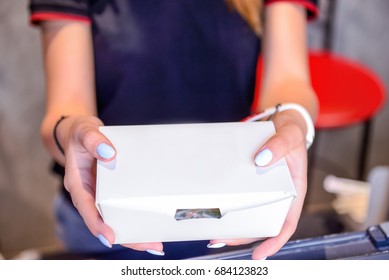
column 348, row 93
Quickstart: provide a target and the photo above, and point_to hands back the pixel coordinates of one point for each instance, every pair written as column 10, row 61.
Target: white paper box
column 162, row 168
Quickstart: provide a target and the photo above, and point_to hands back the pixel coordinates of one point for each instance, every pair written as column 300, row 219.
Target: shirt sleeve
column 42, row 10
column 310, row 6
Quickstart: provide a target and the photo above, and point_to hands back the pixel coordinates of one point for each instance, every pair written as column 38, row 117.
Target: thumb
column 287, row 138
column 96, row 143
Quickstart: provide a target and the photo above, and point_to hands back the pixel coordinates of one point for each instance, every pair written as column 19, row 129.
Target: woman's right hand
column 83, row 143
column 69, row 66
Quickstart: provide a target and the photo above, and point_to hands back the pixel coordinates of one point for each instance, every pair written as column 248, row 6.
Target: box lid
column 186, row 162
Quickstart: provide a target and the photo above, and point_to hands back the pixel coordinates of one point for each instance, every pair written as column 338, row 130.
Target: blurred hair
column 250, row 11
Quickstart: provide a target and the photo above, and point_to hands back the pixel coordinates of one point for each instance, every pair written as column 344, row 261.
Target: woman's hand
column 69, row 66
column 83, row 144
column 289, row 142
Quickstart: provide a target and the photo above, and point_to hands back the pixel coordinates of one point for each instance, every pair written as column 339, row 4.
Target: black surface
column 370, row 244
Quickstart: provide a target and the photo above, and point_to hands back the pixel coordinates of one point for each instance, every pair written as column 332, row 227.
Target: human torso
column 172, row 61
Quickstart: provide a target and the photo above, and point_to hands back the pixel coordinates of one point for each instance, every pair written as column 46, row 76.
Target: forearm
column 68, row 57
column 286, row 75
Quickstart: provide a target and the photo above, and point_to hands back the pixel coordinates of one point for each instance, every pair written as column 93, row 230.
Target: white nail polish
column 264, row 157
column 156, row 253
column 104, row 241
column 216, row 245
column 105, row 151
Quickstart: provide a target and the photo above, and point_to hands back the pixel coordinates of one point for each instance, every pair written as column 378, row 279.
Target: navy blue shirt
column 172, row 61
column 164, row 61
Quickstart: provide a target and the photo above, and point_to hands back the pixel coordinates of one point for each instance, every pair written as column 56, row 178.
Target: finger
column 273, row 244
column 81, row 185
column 95, row 142
column 85, row 205
column 84, row 201
column 287, row 138
column 218, row 243
column 156, row 246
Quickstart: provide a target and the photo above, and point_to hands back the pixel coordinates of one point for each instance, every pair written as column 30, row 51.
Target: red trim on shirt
column 41, row 16
column 308, row 5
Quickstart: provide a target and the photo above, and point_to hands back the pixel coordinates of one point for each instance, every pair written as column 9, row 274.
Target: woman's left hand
column 289, row 142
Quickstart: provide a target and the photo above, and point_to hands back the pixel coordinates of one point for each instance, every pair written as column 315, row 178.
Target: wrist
column 63, row 129
column 56, row 137
column 298, row 112
column 303, row 118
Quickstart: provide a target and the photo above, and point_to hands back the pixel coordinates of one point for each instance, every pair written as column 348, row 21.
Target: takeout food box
column 191, row 182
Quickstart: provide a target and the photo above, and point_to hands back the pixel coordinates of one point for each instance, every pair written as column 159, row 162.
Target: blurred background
column 359, row 32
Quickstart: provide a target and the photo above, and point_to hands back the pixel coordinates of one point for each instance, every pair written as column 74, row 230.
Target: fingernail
column 104, row 241
column 105, row 151
column 216, row 245
column 155, row 252
column 264, row 157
